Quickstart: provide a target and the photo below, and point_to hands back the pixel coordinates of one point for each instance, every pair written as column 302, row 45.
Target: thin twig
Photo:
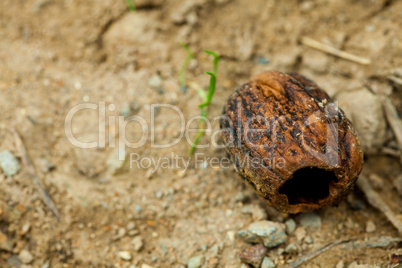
column 391, row 152
column 393, row 119
column 375, row 200
column 333, row 51
column 372, row 242
column 45, row 196
column 314, row 254
column 396, row 80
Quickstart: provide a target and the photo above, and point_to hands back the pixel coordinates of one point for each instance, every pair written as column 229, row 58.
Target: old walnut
column 291, row 142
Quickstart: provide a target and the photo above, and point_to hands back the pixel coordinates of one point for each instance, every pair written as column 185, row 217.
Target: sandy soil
column 55, row 55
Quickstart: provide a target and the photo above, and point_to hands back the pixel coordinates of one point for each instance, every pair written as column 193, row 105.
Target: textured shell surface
column 291, row 142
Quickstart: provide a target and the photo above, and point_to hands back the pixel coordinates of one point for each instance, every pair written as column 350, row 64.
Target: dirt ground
column 55, row 55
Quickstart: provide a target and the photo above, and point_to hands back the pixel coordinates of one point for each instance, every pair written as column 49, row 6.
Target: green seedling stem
column 215, row 61
column 131, row 5
column 211, row 90
column 206, row 98
column 190, row 56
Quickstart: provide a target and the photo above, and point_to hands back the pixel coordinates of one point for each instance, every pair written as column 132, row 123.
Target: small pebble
column 310, row 220
column 300, row 233
column 130, row 225
column 269, row 233
column 231, row 235
column 133, row 232
column 262, row 60
column 241, row 197
column 290, row 226
column 138, row 208
column 47, row 165
column 267, row 263
column 144, row 265
column 8, row 163
column 340, row 264
column 376, row 181
column 25, row 256
column 256, row 212
column 196, row 262
column 125, row 255
column 125, row 110
column 291, row 248
column 309, row 240
column 138, row 243
column 370, row 227
column 155, row 81
column 25, row 228
column 253, row 255
column 14, row 261
column 280, row 251
column 159, row 194
column 121, row 232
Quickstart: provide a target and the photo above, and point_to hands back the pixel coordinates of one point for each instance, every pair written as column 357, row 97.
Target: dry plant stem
column 314, row 254
column 391, row 152
column 375, row 200
column 333, row 51
column 45, row 196
column 393, row 119
column 372, row 242
column 396, row 80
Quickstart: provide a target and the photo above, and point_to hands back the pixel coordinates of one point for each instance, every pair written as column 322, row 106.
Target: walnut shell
column 291, row 142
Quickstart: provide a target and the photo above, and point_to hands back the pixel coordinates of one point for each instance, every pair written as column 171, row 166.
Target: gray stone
column 14, row 261
column 9, row 164
column 267, row 263
column 291, row 248
column 125, row 110
column 290, row 226
column 365, row 111
column 196, row 262
column 309, row 240
column 271, row 234
column 310, row 220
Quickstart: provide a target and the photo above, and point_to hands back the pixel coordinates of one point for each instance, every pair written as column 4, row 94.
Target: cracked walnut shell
column 291, row 142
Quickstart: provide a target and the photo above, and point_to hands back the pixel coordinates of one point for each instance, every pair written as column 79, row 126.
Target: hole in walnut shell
column 308, row 186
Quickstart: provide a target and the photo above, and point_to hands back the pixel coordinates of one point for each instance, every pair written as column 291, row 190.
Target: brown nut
column 291, row 142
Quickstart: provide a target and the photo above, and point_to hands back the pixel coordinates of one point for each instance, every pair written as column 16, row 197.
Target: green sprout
column 206, row 98
column 190, row 56
column 131, row 5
